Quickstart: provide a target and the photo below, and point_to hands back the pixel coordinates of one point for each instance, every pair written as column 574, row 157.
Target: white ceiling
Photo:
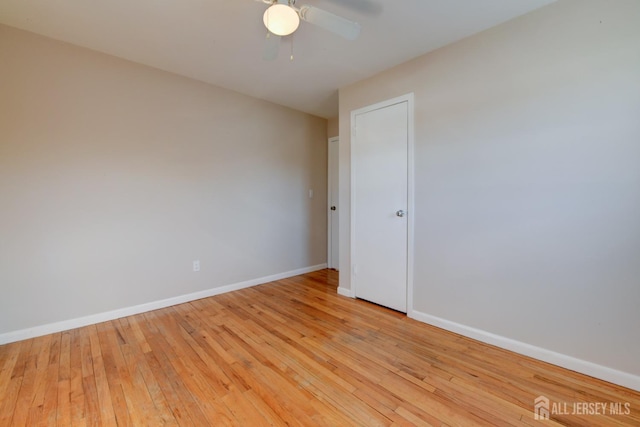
column 221, row 41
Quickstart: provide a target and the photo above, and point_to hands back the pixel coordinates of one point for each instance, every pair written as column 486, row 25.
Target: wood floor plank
column 63, row 408
column 8, row 369
column 92, row 413
column 9, row 401
column 76, row 392
column 103, row 392
column 183, row 404
column 29, row 385
column 287, row 353
column 50, row 397
column 139, row 393
column 191, row 370
column 113, row 364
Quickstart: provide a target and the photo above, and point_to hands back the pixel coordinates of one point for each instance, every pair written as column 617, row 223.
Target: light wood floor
column 291, row 352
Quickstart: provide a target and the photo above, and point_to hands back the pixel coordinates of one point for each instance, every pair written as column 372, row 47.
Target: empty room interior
column 320, row 212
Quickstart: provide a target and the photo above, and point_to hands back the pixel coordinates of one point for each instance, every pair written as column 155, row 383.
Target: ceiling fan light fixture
column 281, row 19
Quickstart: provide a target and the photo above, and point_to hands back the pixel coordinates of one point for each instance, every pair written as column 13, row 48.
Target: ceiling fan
column 282, row 18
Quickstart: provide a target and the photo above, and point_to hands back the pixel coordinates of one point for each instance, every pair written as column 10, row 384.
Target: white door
column 332, row 198
column 380, row 203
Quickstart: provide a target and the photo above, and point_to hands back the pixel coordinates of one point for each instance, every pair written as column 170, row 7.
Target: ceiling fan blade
column 336, row 24
column 271, row 47
column 365, row 7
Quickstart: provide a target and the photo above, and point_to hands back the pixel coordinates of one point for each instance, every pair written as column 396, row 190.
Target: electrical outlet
column 310, row 193
column 196, row 265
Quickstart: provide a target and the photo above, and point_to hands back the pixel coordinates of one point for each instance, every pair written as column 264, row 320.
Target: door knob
column 333, row 208
column 401, row 213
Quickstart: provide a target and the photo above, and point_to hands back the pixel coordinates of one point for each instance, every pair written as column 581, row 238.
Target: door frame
column 409, row 99
column 330, row 222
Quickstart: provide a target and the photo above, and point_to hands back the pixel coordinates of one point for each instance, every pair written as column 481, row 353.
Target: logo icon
column 541, row 408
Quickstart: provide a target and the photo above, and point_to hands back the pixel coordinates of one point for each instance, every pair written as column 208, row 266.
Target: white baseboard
column 345, row 292
column 65, row 325
column 624, row 379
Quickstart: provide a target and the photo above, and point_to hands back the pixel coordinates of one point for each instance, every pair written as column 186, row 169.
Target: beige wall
column 527, row 171
column 333, row 127
column 114, row 177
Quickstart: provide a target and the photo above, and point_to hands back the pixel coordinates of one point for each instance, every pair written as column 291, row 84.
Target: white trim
column 409, row 99
column 65, row 325
column 411, row 206
column 329, row 186
column 624, row 379
column 346, row 292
